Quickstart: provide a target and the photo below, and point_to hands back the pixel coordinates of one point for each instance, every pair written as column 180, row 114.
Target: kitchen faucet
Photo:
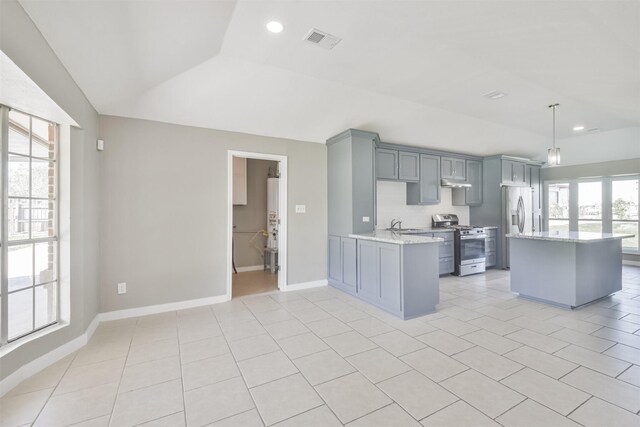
column 395, row 222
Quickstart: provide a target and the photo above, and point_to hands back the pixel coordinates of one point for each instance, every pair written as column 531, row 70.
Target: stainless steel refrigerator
column 518, row 215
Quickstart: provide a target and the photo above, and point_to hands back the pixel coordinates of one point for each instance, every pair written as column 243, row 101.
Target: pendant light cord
column 553, row 106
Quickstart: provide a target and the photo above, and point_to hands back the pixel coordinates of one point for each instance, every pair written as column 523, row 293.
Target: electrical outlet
column 301, row 208
column 122, row 288
column 365, row 219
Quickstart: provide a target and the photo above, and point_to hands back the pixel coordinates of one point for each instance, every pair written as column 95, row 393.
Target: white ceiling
column 413, row 71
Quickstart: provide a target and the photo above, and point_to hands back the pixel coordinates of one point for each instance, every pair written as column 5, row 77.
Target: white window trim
column 607, row 217
column 63, row 191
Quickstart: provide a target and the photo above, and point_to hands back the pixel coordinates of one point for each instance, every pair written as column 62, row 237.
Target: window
column 590, row 206
column 29, row 292
column 624, row 210
column 605, row 205
column 558, row 207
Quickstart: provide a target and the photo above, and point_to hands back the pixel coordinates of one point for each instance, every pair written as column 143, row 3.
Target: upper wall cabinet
column 514, row 173
column 397, row 165
column 470, row 196
column 427, row 190
column 351, row 182
column 386, row 164
column 239, row 180
column 453, row 168
column 409, row 166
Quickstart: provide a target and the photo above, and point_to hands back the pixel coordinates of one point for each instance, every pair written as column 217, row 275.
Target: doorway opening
column 256, row 240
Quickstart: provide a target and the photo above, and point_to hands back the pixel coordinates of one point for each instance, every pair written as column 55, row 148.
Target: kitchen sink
column 407, row 230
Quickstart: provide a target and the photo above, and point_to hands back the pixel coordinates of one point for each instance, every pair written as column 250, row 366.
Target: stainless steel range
column 469, row 241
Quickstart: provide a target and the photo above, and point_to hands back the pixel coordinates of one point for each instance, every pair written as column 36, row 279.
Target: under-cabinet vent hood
column 454, row 183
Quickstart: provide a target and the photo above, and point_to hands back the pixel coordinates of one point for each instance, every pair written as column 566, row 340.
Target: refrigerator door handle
column 520, row 214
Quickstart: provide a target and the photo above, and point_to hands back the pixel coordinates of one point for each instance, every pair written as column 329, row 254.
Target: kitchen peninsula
column 398, row 272
column 568, row 269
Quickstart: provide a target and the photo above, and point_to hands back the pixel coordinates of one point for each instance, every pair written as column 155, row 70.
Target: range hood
column 454, row 183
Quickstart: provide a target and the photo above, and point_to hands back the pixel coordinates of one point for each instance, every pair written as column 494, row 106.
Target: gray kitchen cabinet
column 342, row 260
column 452, row 168
column 533, row 171
column 470, row 196
column 445, row 252
column 400, row 279
column 386, row 164
column 368, row 271
column 514, row 173
column 491, row 248
column 334, row 259
column 408, row 166
column 389, row 276
column 349, row 264
column 427, row 190
column 351, row 182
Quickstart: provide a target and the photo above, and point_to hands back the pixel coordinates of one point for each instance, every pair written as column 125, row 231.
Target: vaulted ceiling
column 413, row 71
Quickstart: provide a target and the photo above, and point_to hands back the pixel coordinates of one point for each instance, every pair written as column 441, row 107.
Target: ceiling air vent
column 496, row 94
column 322, row 39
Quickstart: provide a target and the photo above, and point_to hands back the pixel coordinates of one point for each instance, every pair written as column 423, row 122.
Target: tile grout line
column 243, row 380
column 54, row 389
column 184, row 402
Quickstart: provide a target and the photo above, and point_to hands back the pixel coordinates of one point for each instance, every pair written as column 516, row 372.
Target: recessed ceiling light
column 495, row 94
column 275, row 27
column 578, row 128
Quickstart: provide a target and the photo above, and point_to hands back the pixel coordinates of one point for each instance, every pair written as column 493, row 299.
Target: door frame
column 282, row 208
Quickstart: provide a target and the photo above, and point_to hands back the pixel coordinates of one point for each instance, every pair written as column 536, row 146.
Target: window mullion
column 4, row 254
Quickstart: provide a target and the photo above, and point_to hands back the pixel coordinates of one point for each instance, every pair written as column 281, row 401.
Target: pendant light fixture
column 553, row 154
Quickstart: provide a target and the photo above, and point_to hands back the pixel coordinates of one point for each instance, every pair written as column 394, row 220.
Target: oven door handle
column 474, row 237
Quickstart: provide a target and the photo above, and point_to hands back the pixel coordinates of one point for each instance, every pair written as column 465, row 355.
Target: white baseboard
column 160, row 308
column 47, row 359
column 250, row 268
column 58, row 353
column 305, row 285
column 630, row 262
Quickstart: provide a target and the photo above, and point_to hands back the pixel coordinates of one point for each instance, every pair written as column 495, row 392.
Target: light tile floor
column 320, row 357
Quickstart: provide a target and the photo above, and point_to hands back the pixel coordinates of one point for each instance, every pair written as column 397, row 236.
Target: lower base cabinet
column 491, row 248
column 400, row 279
column 341, row 267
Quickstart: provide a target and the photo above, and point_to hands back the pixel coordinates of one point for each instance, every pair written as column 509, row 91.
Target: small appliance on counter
column 469, row 244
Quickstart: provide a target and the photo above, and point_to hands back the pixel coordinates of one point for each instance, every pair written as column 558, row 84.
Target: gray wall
column 616, row 167
column 164, row 210
column 252, row 217
column 23, row 43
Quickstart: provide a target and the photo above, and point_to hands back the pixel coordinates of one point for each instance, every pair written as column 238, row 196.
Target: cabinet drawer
column 490, row 244
column 492, row 232
column 446, row 249
column 490, row 259
column 446, row 265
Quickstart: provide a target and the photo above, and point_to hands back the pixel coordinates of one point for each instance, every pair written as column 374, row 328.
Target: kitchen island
column 568, row 269
column 393, row 271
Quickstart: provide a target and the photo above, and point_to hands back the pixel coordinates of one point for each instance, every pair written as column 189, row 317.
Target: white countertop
column 570, row 236
column 395, row 237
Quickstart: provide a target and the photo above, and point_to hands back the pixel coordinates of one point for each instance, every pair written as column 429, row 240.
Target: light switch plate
column 122, row 288
column 365, row 219
column 100, row 145
column 301, row 208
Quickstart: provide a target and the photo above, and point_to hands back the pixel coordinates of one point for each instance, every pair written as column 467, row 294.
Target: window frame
column 607, row 196
column 4, row 224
